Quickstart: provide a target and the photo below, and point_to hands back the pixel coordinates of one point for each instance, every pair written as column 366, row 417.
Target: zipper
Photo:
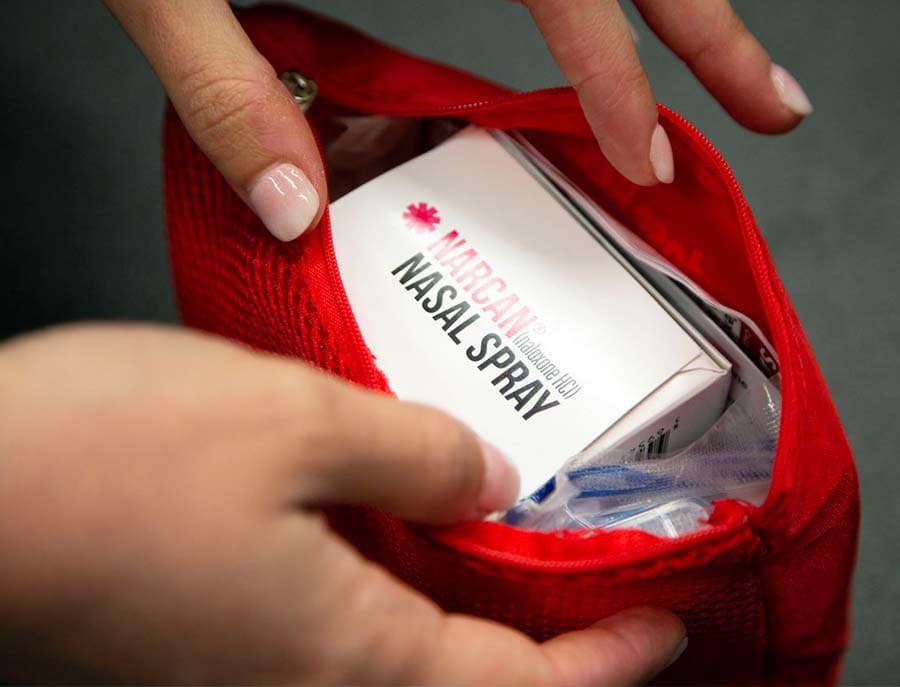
column 303, row 89
column 352, row 98
column 349, row 97
column 770, row 509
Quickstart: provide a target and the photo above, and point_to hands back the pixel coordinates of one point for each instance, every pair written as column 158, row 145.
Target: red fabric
column 764, row 591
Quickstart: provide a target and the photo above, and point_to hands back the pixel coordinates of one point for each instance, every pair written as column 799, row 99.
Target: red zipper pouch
column 764, row 591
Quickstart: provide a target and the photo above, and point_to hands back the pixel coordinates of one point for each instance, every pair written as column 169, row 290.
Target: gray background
column 82, row 222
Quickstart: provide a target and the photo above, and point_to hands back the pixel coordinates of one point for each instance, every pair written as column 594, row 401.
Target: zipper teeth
column 722, row 166
column 519, row 97
column 372, row 377
column 344, row 94
column 745, row 219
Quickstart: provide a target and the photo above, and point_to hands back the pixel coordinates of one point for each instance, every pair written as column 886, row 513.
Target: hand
column 593, row 46
column 242, row 117
column 158, row 523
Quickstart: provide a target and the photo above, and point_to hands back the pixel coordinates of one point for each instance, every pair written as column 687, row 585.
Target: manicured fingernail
column 678, row 651
column 789, row 91
column 661, row 156
column 635, row 36
column 285, row 200
column 500, row 487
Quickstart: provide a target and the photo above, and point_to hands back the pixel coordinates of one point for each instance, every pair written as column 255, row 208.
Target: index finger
column 729, row 61
column 592, row 43
column 233, row 105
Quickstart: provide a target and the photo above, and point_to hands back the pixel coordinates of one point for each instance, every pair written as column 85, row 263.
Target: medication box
column 480, row 293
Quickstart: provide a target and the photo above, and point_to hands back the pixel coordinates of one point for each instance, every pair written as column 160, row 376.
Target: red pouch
column 764, row 591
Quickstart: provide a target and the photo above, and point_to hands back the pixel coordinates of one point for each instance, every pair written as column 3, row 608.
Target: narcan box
column 480, row 293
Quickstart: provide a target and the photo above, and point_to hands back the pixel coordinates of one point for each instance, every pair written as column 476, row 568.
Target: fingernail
column 661, row 156
column 635, row 36
column 285, row 200
column 500, row 488
column 678, row 651
column 790, row 93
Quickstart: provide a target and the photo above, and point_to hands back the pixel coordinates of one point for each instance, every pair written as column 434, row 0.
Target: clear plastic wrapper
column 670, row 495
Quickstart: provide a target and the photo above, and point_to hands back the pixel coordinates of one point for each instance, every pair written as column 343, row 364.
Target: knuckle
column 725, row 34
column 452, row 454
column 613, row 91
column 217, row 104
column 403, row 654
column 312, row 415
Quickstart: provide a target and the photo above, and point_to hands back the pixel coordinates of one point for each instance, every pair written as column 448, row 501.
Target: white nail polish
column 500, row 485
column 635, row 36
column 789, row 91
column 661, row 156
column 285, row 200
column 678, row 651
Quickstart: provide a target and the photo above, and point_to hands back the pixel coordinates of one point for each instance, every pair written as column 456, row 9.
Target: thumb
column 233, row 105
column 628, row 648
column 411, row 460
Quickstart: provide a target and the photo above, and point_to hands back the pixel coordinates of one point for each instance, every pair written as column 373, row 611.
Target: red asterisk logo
column 421, row 217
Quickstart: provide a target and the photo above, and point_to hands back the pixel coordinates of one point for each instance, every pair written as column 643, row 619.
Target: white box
column 480, row 293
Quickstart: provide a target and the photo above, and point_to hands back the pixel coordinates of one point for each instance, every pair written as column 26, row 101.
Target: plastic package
column 669, row 495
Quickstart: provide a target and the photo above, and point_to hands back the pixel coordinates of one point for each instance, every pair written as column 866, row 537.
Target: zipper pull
column 303, row 89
